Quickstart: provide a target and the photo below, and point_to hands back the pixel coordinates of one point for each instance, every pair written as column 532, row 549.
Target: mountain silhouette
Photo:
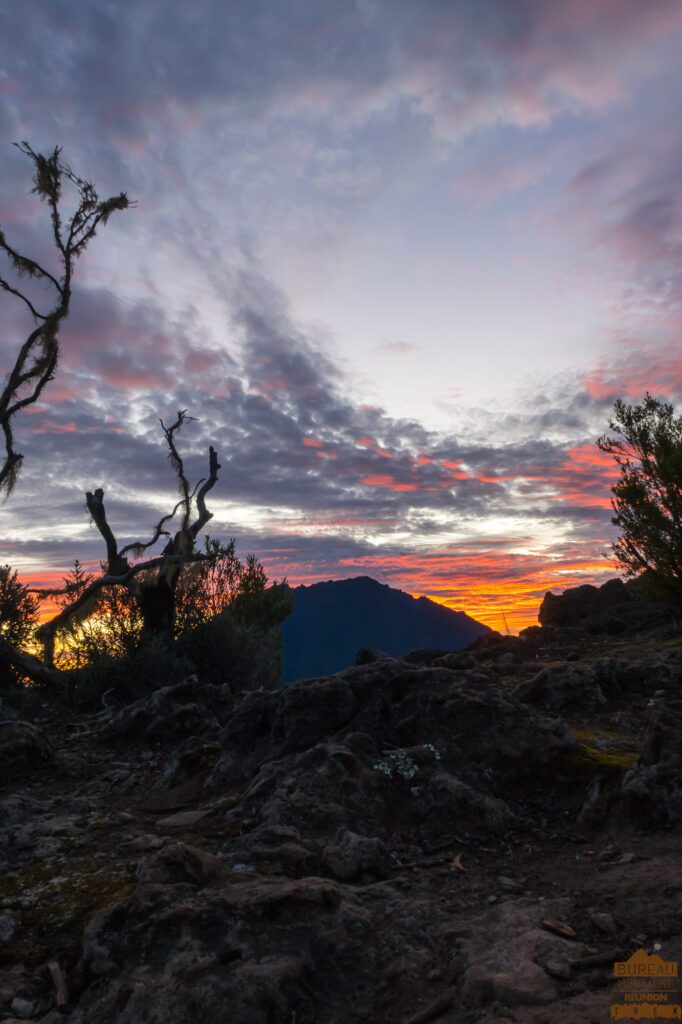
column 331, row 621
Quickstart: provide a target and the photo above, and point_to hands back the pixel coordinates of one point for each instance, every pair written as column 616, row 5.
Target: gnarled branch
column 178, row 551
column 204, row 514
column 36, row 361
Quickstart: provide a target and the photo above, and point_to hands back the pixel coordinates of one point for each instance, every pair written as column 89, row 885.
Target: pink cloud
column 389, row 482
column 637, row 369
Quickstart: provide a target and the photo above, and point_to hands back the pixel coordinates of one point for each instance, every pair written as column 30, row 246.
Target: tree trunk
column 157, row 604
column 26, row 665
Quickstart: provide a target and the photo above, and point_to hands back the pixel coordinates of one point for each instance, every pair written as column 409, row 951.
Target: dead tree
column 36, row 361
column 155, row 593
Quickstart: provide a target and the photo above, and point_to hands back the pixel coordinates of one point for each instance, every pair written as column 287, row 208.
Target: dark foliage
column 647, row 501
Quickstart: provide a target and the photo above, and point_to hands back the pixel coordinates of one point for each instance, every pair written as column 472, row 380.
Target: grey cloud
column 282, row 391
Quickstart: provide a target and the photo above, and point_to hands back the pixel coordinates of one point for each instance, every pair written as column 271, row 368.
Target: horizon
column 399, row 263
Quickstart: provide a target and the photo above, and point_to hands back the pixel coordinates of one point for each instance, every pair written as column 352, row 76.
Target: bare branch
column 95, row 504
column 138, row 548
column 176, row 462
column 14, row 291
column 204, row 514
column 38, row 356
column 27, row 267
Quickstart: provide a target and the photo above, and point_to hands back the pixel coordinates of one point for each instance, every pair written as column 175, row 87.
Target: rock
column 194, row 757
column 22, row 1008
column 102, row 966
column 270, row 949
column 604, row 923
column 466, row 715
column 447, row 795
column 596, row 806
column 651, row 792
column 281, row 845
column 559, row 688
column 613, row 608
column 509, row 884
column 22, row 746
column 352, row 856
column 504, row 953
column 366, row 656
column 183, row 819
column 558, row 969
column 179, row 862
column 9, row 922
column 525, row 985
column 575, row 605
column 172, row 713
column 140, row 844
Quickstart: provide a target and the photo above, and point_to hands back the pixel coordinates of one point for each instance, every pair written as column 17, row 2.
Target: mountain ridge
column 333, row 619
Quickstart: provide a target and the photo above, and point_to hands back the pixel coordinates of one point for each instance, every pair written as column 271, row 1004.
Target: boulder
column 575, row 605
column 351, row 857
column 271, row 950
column 373, row 754
column 457, row 803
column 465, row 714
column 179, row 862
column 193, row 758
column 22, row 746
column 172, row 713
column 651, row 794
column 509, row 953
column 560, row 688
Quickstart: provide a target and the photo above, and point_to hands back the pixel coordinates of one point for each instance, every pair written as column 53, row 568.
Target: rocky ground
column 454, row 838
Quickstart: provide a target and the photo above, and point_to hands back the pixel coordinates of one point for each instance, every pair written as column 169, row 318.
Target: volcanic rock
column 172, row 713
column 559, row 688
column 651, row 794
column 22, row 745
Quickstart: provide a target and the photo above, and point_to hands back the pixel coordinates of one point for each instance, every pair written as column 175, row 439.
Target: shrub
column 647, row 499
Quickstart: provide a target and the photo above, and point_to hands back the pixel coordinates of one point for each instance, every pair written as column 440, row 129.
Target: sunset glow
column 398, row 261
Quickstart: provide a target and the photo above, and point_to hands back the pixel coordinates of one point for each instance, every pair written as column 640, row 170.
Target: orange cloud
column 585, row 477
column 389, row 482
column 456, row 471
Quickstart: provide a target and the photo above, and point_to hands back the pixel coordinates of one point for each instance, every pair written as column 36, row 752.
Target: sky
column 397, row 258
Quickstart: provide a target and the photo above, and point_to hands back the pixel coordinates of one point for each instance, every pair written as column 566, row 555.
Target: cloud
column 635, row 369
column 397, row 348
column 171, row 67
column 251, row 129
column 307, row 474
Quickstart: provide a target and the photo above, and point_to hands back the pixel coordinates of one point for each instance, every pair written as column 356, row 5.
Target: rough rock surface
column 613, row 608
column 22, row 745
column 579, row 603
column 560, row 688
column 171, row 713
column 405, row 841
column 652, row 790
